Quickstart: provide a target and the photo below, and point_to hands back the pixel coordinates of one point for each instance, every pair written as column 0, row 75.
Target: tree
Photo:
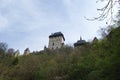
column 117, row 19
column 3, row 46
column 3, row 49
column 106, row 11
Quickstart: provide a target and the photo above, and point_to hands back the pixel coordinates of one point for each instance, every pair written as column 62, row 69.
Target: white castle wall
column 55, row 42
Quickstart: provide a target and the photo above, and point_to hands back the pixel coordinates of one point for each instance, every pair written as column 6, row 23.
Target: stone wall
column 55, row 42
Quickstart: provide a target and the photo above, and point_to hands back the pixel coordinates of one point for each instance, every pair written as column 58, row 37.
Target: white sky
column 28, row 23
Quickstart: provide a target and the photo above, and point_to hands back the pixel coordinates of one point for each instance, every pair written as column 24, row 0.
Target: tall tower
column 56, row 40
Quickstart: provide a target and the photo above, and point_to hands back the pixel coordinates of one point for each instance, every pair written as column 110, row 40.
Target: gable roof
column 57, row 34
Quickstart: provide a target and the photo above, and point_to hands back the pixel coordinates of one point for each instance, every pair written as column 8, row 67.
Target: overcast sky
column 28, row 23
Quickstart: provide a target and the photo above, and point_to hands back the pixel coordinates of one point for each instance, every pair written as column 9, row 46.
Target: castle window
column 62, row 44
column 53, row 44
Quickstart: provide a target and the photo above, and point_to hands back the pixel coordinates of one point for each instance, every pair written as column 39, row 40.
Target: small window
column 62, row 44
column 53, row 44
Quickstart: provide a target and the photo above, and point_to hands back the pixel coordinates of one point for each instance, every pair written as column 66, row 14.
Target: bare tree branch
column 106, row 11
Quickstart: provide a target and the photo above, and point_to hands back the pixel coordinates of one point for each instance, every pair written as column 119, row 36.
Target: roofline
column 57, row 36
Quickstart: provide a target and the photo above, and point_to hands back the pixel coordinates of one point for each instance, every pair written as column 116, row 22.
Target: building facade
column 56, row 40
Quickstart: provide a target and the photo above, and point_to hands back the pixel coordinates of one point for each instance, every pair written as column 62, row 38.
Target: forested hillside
column 96, row 60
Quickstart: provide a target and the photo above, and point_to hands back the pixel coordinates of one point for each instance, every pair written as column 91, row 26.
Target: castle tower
column 27, row 51
column 79, row 42
column 56, row 40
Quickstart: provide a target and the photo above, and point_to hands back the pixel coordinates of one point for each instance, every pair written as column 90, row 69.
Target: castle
column 56, row 40
column 79, row 43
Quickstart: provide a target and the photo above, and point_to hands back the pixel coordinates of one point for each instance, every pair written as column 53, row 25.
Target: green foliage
column 98, row 60
column 15, row 61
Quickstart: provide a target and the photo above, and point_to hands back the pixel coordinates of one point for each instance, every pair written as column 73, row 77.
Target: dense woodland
column 96, row 60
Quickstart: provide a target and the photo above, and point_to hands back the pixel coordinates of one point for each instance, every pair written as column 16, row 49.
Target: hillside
column 97, row 60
